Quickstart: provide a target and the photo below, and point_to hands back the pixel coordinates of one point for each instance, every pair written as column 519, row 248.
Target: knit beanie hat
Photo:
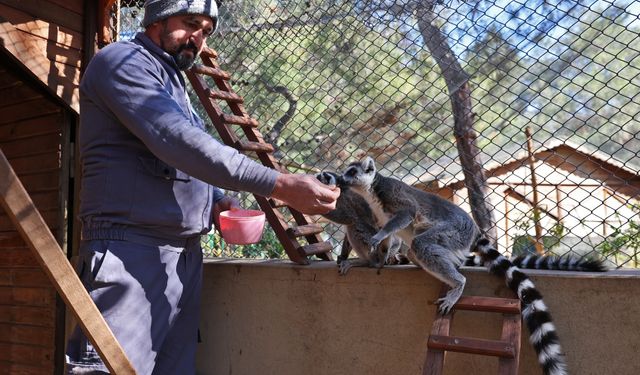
column 157, row 10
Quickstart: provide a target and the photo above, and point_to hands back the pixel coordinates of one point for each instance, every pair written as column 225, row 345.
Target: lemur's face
column 327, row 178
column 360, row 174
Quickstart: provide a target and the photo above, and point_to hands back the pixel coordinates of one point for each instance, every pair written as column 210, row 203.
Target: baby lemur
column 440, row 235
column 354, row 213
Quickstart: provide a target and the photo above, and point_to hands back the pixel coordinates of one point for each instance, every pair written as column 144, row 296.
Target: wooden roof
column 573, row 159
column 46, row 38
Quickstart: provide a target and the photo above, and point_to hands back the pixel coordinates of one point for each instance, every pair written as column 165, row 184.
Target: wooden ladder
column 507, row 349
column 289, row 236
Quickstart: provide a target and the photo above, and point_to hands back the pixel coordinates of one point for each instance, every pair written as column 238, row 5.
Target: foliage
column 624, row 241
column 269, row 247
column 524, row 243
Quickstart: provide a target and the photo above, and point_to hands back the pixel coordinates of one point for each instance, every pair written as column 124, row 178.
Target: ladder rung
column 489, row 304
column 239, row 120
column 316, row 248
column 276, row 203
column 212, row 72
column 305, row 230
column 254, row 146
column 206, row 51
column 494, row 348
column 225, row 95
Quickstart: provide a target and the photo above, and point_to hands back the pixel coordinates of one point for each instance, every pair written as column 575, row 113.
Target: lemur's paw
column 344, row 267
column 340, row 259
column 391, row 261
column 374, row 244
column 400, row 259
column 445, row 305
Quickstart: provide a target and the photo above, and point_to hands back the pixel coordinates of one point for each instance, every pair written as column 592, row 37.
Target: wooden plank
column 41, row 167
column 24, row 277
column 434, row 361
column 316, row 248
column 17, row 93
column 75, row 6
column 48, row 11
column 28, row 335
column 23, row 369
column 33, row 126
column 511, row 332
column 10, row 239
column 33, row 229
column 28, row 315
column 42, row 297
column 240, row 120
column 489, row 304
column 305, row 230
column 468, row 345
column 7, row 79
column 224, row 95
column 17, row 257
column 36, row 145
column 211, row 72
column 41, row 180
column 50, row 218
column 46, row 200
column 26, row 354
column 247, row 146
column 27, row 110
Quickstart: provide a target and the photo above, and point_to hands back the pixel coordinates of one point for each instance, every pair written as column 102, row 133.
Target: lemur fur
column 353, row 212
column 440, row 234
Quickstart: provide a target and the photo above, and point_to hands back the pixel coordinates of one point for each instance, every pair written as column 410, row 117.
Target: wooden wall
column 32, row 131
column 41, row 55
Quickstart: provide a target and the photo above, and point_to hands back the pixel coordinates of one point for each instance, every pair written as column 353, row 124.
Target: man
column 148, row 175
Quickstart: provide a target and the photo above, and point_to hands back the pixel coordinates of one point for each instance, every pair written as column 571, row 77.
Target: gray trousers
column 149, row 294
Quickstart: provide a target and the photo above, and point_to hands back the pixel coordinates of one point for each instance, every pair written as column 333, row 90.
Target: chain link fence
column 541, row 96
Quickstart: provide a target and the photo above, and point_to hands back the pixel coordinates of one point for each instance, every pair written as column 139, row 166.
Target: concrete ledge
column 275, row 317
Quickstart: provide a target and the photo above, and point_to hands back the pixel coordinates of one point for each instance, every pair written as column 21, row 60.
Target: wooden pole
column 33, row 229
column 534, row 185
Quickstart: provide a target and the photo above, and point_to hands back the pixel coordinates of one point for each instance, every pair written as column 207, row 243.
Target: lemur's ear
column 369, row 165
column 330, row 178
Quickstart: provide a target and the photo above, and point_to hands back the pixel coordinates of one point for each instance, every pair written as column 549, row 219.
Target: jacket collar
column 155, row 49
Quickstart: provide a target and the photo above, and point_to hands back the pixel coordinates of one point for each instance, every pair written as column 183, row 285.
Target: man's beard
column 184, row 61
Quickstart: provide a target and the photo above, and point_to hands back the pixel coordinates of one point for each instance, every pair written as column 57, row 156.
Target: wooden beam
column 104, row 29
column 34, row 231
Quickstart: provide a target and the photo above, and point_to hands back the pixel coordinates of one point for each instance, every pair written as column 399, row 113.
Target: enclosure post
column 534, row 187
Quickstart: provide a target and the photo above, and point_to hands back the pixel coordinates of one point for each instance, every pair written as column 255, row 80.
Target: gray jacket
column 147, row 161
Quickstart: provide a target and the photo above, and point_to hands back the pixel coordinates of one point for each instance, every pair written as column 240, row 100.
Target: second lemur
column 440, row 234
column 353, row 212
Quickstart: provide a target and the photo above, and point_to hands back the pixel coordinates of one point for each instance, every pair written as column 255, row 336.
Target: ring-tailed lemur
column 440, row 234
column 354, row 213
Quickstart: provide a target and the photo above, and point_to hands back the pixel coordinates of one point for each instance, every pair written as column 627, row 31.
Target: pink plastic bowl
column 242, row 227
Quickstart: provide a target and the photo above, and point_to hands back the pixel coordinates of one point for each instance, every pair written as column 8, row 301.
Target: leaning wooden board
column 33, row 229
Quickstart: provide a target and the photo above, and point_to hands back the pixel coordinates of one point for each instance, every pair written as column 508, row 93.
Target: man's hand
column 305, row 193
column 225, row 204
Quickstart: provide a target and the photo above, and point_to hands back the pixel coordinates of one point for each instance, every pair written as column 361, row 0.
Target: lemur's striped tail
column 563, row 263
column 535, row 315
